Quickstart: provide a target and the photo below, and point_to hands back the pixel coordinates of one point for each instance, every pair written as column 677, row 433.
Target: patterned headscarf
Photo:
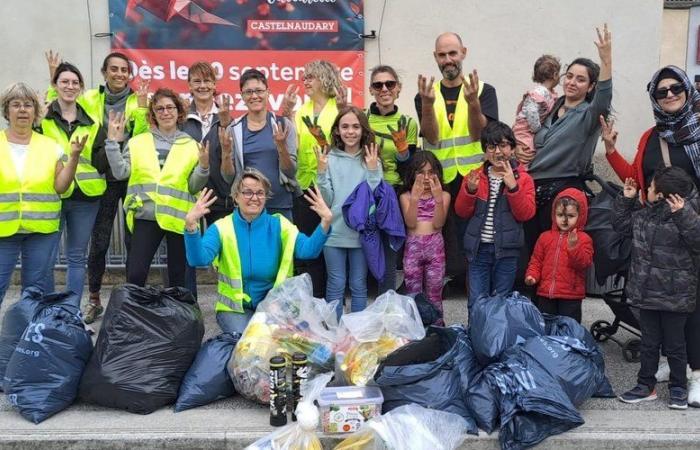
column 683, row 126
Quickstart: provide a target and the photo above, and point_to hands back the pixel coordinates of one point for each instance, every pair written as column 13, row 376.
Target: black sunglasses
column 378, row 85
column 675, row 89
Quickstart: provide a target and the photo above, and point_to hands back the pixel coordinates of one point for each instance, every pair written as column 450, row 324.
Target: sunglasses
column 379, row 85
column 662, row 93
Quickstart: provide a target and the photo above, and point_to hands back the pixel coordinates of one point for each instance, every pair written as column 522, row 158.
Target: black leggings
column 560, row 307
column 144, row 244
column 102, row 233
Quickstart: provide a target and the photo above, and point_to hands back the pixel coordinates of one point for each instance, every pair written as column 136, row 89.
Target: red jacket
column 560, row 271
column 623, row 169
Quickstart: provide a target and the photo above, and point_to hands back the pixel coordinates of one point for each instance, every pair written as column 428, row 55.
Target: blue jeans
column 233, row 322
column 36, row 264
column 489, row 275
column 337, row 267
column 77, row 220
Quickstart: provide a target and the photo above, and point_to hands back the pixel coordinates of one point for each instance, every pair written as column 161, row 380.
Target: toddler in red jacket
column 562, row 257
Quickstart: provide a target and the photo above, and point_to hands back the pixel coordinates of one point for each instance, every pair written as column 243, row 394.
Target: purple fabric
column 376, row 216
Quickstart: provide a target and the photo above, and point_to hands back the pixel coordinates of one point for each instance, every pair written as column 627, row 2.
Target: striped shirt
column 488, row 231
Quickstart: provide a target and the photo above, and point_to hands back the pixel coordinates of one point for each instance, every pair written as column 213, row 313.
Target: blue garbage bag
column 148, row 340
column 208, row 379
column 44, row 371
column 18, row 317
column 566, row 326
column 434, row 372
column 498, row 323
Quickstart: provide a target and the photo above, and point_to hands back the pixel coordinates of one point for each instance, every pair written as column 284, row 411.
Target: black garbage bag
column 18, row 317
column 566, row 326
column 208, row 379
column 498, row 323
column 434, row 372
column 429, row 314
column 44, row 371
column 525, row 400
column 148, row 340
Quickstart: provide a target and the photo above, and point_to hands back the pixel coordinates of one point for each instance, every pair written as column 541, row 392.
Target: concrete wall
column 692, row 66
column 504, row 37
column 674, row 37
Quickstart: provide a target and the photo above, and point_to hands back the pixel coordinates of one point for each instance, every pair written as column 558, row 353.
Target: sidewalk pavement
column 235, row 422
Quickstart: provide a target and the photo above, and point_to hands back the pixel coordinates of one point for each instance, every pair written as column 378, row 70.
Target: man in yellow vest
column 452, row 112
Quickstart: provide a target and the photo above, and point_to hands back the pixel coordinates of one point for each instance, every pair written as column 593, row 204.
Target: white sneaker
column 664, row 372
column 694, row 389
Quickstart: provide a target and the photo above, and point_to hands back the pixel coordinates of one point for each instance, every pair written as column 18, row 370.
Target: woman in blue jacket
column 253, row 250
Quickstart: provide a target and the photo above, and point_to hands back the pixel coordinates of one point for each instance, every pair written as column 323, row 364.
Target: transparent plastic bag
column 409, row 427
column 366, row 337
column 288, row 320
column 302, row 434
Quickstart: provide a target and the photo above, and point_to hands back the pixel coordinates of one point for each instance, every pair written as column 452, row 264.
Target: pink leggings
column 424, row 259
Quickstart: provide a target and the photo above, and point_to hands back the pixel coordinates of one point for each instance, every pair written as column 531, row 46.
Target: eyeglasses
column 250, row 92
column 68, row 83
column 198, row 82
column 502, row 146
column 248, row 194
column 662, row 93
column 162, row 109
column 20, row 105
column 379, row 85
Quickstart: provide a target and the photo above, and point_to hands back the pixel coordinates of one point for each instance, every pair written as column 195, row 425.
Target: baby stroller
column 611, row 259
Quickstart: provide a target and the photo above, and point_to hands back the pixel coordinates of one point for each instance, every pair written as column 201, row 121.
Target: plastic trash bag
column 366, row 337
column 428, row 312
column 288, row 320
column 566, row 326
column 409, row 427
column 18, row 317
column 148, row 340
column 44, row 371
column 208, row 379
column 299, row 435
column 434, row 372
column 498, row 323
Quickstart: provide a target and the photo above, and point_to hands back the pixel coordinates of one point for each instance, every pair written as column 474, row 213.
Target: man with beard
column 452, row 112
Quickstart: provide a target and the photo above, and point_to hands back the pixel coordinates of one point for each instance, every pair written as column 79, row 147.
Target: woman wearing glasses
column 165, row 168
column 675, row 141
column 232, row 241
column 267, row 143
column 396, row 135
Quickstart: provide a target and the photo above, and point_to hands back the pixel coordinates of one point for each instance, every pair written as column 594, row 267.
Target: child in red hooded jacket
column 562, row 257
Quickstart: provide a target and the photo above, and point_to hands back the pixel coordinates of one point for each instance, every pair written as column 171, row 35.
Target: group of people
column 293, row 192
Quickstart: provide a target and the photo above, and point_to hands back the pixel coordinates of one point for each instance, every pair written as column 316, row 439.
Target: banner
column 278, row 37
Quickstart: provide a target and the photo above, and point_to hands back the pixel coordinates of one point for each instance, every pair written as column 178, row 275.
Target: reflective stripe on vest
column 231, row 297
column 166, row 187
column 306, row 157
column 30, row 204
column 90, row 181
column 455, row 149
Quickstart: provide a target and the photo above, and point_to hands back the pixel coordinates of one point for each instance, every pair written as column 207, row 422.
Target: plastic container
column 344, row 409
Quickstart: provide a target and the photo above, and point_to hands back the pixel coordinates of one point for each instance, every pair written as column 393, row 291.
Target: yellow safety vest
column 30, row 203
column 91, row 182
column 166, row 187
column 230, row 279
column 455, row 149
column 306, row 157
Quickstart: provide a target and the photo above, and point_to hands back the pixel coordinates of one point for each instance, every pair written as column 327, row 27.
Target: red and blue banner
column 164, row 37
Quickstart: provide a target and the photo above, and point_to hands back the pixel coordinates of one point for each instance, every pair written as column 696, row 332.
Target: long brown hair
column 367, row 133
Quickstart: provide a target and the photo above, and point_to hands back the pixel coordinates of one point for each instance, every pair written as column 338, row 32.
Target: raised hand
column 604, row 44
column 676, row 202
column 289, row 101
column 371, row 156
column 204, row 155
column 530, row 281
column 142, row 92
column 608, row 134
column 280, row 131
column 471, row 87
column 225, row 111
column 319, row 206
column 226, row 142
column 322, row 158
column 426, row 89
column 77, row 145
column 630, row 188
column 200, row 209
column 473, row 181
column 399, row 136
column 417, row 188
column 115, row 126
column 505, row 168
column 572, row 240
column 53, row 60
column 435, row 188
column 341, row 97
column 315, row 130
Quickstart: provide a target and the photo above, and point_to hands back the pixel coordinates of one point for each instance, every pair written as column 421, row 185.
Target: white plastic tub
column 344, row 409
